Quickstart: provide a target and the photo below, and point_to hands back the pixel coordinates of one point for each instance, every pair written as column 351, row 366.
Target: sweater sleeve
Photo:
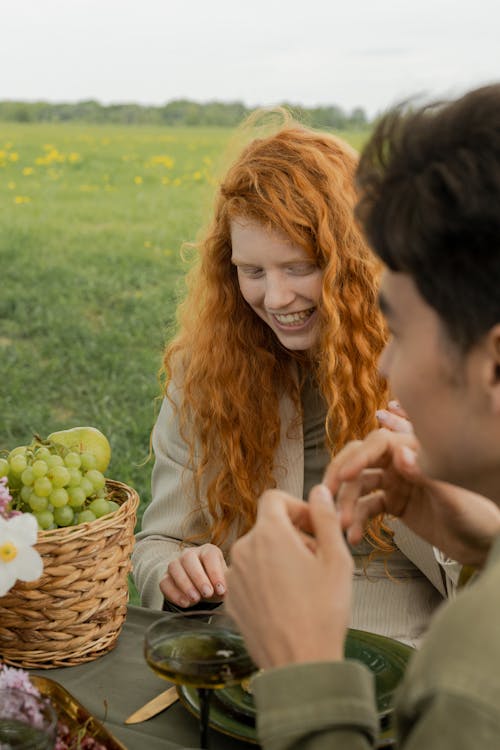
column 316, row 706
column 171, row 516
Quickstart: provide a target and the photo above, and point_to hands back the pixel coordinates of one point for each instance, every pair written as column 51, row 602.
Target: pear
column 86, row 439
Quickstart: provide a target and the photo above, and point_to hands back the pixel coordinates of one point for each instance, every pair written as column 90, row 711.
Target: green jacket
column 449, row 698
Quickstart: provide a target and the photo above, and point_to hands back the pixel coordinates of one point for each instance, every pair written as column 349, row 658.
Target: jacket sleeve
column 316, row 706
column 171, row 516
column 330, row 706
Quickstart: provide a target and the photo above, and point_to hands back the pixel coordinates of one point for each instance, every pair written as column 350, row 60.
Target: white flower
column 18, row 559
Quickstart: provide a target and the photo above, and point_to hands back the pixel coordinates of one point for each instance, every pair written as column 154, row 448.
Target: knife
column 153, row 707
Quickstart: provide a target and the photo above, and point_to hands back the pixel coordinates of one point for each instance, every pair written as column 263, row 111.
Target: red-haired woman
column 273, row 370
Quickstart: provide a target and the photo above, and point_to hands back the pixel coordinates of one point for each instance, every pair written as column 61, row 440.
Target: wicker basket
column 75, row 611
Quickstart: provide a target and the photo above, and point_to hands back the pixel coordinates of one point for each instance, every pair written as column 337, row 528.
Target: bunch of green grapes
column 61, row 487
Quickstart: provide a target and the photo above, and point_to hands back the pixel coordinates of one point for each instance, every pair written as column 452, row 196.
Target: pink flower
column 11, row 677
column 5, row 498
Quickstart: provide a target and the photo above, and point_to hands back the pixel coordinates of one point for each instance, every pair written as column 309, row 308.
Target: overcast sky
column 367, row 53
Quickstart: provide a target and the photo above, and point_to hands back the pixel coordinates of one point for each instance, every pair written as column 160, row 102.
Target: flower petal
column 25, row 526
column 28, row 565
column 7, row 578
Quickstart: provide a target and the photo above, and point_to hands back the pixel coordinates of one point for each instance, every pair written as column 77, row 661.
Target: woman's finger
column 393, row 421
column 172, row 593
column 194, row 569
column 215, row 568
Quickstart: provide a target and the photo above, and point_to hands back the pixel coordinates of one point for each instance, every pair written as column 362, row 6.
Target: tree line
column 177, row 112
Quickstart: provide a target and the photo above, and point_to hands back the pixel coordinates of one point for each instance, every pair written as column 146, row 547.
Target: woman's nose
column 278, row 293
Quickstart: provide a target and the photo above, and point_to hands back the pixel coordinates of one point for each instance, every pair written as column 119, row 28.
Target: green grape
column 39, row 468
column 89, row 461
column 17, row 463
column 96, row 478
column 42, row 453
column 54, row 460
column 60, row 476
column 21, row 449
column 45, row 519
column 113, row 506
column 43, row 486
column 72, row 460
column 26, row 493
column 99, row 507
column 75, row 478
column 64, row 516
column 59, row 498
column 38, row 503
column 27, row 477
column 86, row 516
column 87, row 487
column 76, row 497
column 4, row 467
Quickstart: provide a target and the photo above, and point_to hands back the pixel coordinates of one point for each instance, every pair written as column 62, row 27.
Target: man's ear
column 493, row 348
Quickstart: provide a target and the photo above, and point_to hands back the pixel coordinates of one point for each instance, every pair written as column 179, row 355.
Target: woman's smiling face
column 279, row 281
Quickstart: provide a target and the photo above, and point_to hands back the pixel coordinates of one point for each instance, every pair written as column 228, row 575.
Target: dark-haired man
column 430, row 196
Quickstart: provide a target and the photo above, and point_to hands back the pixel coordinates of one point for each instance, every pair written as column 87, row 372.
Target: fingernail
column 324, row 494
column 381, row 415
column 183, row 602
column 194, row 596
column 206, row 591
column 409, row 456
column 220, row 588
column 394, row 404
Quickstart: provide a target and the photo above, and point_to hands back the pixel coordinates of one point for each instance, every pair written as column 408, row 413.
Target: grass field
column 91, row 223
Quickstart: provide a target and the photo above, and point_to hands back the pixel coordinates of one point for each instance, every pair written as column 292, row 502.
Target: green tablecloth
column 122, row 680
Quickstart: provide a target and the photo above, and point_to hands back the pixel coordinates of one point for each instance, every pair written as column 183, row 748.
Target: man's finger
column 375, row 451
column 349, row 493
column 366, row 508
column 327, row 531
column 277, row 504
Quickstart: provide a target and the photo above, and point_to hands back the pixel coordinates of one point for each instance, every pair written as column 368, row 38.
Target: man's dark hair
column 430, row 206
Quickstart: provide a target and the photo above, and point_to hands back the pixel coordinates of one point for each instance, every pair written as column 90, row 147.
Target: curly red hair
column 301, row 183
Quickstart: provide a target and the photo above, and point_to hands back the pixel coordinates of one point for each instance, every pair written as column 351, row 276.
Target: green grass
column 91, row 223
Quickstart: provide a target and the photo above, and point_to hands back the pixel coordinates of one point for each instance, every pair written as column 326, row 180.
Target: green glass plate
column 232, row 709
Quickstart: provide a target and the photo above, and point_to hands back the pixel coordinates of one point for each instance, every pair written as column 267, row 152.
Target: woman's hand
column 394, row 418
column 198, row 573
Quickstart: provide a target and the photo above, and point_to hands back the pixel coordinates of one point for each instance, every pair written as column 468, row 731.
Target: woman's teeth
column 291, row 319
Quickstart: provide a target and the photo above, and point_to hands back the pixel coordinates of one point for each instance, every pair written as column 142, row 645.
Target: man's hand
column 380, row 475
column 291, row 599
column 198, row 573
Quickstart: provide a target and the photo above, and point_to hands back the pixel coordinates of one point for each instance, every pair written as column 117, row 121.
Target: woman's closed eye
column 253, row 272
column 302, row 269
